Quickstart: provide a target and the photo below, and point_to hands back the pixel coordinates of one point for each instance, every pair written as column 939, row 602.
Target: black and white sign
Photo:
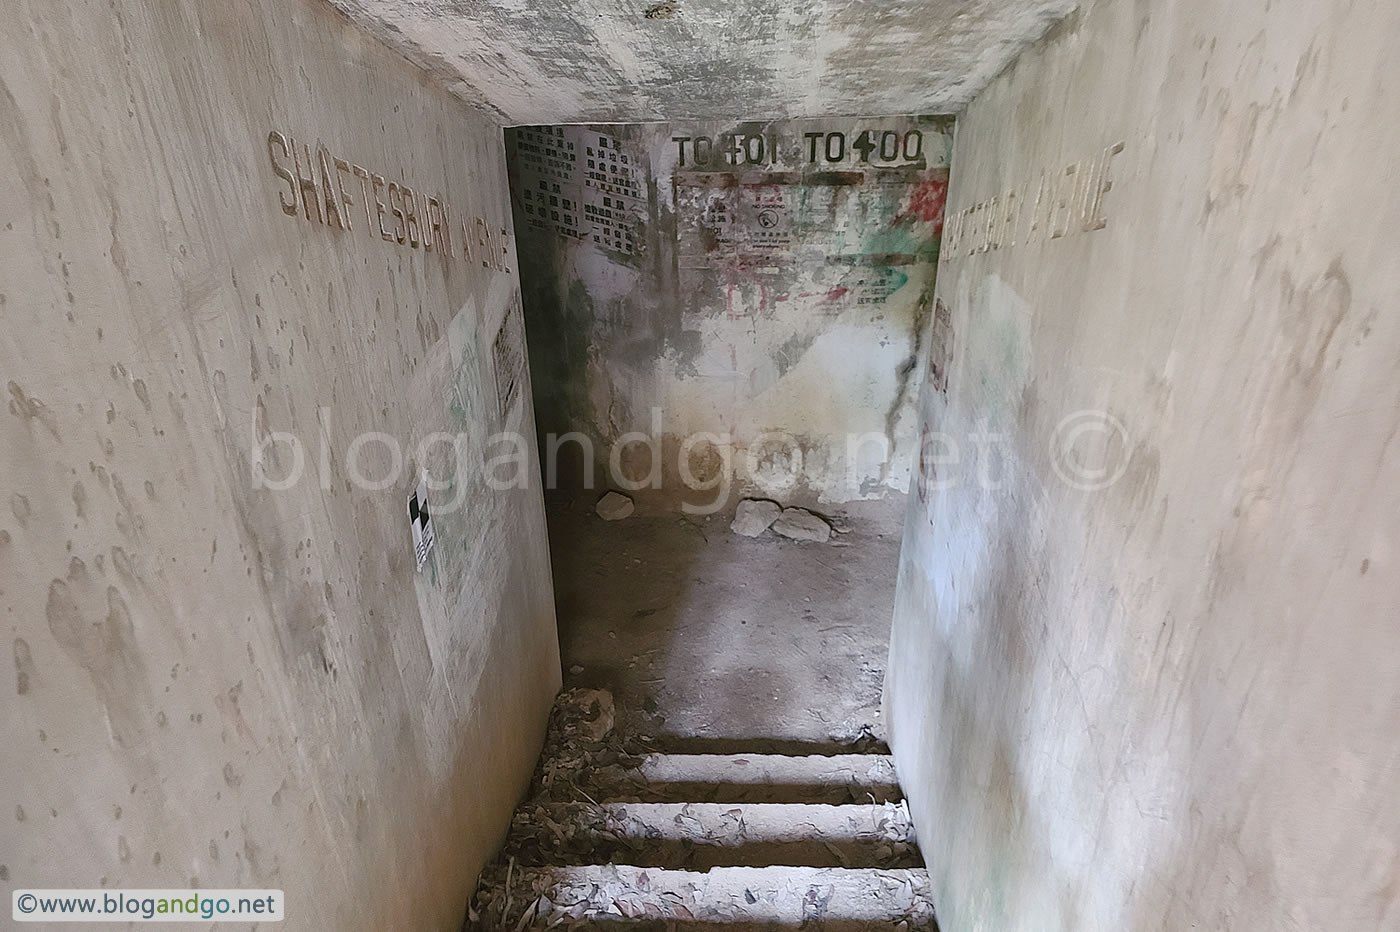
column 422, row 523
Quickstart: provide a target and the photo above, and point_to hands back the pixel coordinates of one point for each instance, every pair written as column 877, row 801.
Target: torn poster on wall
column 852, row 204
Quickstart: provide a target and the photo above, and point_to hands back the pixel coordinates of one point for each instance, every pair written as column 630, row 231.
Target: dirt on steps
column 618, row 830
column 699, row 836
column 758, row 778
column 767, row 897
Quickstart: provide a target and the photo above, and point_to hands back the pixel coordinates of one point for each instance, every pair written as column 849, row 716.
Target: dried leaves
column 569, row 857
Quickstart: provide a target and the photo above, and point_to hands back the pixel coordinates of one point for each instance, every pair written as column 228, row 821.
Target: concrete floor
column 731, row 642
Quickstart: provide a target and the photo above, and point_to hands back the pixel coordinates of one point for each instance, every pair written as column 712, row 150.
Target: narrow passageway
column 697, row 465
column 717, row 757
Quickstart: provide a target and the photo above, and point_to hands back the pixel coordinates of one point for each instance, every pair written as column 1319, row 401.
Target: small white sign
column 421, row 522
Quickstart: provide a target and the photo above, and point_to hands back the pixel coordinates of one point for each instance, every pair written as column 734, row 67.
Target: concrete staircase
column 621, row 833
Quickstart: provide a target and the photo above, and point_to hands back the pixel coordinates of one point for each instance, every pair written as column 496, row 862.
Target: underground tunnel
column 924, row 465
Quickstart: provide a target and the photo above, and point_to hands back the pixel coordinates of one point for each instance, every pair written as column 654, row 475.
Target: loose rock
column 614, row 506
column 801, row 524
column 754, row 516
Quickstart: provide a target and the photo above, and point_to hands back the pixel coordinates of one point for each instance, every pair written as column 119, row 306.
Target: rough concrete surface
column 549, row 61
column 1171, row 703
column 215, row 684
column 725, row 778
column 733, row 642
column 746, row 899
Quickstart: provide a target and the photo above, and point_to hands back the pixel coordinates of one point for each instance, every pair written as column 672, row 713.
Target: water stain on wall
column 104, row 644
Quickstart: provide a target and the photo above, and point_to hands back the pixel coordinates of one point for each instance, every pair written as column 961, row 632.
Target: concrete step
column 700, row 836
column 769, row 778
column 737, row 898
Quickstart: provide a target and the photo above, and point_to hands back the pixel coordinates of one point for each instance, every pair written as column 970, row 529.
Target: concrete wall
column 217, row 684
column 1170, row 702
column 768, row 284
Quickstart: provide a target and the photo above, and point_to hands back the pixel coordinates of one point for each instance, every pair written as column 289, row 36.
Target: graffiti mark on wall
column 795, row 216
column 927, row 201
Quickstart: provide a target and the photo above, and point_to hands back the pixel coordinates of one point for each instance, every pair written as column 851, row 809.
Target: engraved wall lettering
column 312, row 182
column 306, row 183
column 276, row 141
column 323, row 159
column 377, row 182
column 363, row 174
column 395, row 200
column 1066, row 202
column 346, row 200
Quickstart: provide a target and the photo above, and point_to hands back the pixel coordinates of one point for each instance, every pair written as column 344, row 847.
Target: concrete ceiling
column 549, row 61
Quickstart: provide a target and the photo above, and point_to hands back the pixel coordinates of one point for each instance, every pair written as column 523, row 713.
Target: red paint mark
column 834, row 294
column 926, row 203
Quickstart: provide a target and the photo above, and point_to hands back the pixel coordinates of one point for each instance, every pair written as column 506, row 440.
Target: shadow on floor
column 731, row 642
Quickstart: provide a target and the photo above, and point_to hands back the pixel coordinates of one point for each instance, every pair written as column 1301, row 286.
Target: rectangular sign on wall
column 421, row 523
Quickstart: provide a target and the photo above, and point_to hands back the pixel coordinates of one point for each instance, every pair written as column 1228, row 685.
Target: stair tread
column 701, row 836
column 756, row 778
column 734, row 823
column 776, row 895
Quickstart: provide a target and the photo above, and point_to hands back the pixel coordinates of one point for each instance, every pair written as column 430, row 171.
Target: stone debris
column 801, row 524
column 614, row 506
column 584, row 748
column 754, row 516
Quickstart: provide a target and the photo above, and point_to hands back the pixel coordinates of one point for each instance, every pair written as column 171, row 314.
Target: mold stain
column 30, row 409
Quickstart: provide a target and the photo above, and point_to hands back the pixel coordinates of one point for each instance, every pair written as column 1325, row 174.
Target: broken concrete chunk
column 614, row 506
column 801, row 524
column 589, row 713
column 753, row 516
